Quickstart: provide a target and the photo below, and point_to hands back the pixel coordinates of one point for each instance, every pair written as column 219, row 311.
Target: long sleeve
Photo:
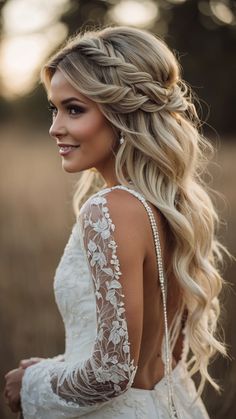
column 59, row 357
column 70, row 389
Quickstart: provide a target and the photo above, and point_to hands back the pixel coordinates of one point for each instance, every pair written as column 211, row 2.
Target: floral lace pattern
column 109, row 371
column 94, row 377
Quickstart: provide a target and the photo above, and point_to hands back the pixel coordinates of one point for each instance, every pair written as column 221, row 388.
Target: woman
column 138, row 284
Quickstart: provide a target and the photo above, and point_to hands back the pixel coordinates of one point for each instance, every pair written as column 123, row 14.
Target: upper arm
column 127, row 215
column 117, row 217
column 112, row 234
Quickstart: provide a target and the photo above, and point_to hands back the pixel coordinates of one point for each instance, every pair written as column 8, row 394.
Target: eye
column 52, row 109
column 75, row 110
column 72, row 110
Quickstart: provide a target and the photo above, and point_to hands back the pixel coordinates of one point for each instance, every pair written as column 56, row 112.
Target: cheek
column 93, row 130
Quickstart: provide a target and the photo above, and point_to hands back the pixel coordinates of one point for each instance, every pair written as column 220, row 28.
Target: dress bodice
column 97, row 364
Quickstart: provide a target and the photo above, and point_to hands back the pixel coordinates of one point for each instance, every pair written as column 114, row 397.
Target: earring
column 121, row 138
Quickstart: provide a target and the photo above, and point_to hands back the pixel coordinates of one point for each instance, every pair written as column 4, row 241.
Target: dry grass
column 36, row 219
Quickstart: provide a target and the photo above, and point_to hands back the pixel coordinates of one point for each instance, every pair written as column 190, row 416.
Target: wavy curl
column 135, row 80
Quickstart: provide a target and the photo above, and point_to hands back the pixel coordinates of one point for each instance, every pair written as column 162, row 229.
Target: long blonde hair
column 135, row 80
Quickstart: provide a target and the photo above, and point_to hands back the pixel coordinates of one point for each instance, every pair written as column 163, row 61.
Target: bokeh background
column 35, row 194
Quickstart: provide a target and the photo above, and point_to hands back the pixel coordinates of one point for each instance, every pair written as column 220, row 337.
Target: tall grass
column 36, row 219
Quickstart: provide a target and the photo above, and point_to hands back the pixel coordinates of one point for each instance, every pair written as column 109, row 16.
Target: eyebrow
column 68, row 100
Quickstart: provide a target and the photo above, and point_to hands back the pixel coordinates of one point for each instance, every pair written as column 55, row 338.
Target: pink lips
column 65, row 149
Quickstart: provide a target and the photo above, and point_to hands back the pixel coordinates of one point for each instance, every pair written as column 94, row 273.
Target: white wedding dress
column 94, row 377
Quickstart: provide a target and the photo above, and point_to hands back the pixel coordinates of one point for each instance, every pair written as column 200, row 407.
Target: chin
column 70, row 169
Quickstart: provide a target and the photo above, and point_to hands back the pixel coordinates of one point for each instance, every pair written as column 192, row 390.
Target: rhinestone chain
column 168, row 369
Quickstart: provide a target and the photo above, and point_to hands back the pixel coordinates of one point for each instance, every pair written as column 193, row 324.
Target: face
column 84, row 136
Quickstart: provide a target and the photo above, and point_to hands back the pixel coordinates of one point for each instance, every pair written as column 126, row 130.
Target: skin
column 79, row 121
column 14, row 381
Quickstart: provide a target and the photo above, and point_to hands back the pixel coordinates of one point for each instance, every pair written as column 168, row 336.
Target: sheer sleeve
column 84, row 386
column 59, row 357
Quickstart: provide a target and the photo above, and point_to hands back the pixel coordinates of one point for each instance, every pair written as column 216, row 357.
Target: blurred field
column 36, row 219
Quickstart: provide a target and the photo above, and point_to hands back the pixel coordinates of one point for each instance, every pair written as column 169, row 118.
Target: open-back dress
column 94, row 378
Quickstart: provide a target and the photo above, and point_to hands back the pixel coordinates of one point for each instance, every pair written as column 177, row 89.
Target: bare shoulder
column 131, row 216
column 126, row 207
column 130, row 219
column 119, row 201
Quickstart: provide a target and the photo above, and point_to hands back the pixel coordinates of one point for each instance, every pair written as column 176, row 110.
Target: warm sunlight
column 30, row 16
column 30, row 32
column 137, row 13
column 222, row 12
column 22, row 57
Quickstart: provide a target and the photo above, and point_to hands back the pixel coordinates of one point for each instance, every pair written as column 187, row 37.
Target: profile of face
column 84, row 136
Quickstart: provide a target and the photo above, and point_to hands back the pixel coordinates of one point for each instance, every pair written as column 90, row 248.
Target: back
column 147, row 318
column 151, row 365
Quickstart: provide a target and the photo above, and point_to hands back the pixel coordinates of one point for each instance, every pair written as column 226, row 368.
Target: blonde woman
column 137, row 285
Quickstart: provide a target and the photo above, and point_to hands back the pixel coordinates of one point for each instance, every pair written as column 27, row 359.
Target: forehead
column 60, row 88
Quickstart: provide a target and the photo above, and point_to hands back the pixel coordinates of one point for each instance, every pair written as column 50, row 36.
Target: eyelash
column 78, row 110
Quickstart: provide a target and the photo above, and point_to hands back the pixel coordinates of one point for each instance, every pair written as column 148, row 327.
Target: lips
column 65, row 149
column 67, row 145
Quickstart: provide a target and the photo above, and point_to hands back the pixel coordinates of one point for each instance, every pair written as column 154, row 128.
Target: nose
column 57, row 128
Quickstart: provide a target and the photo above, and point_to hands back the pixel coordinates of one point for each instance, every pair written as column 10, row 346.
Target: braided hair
column 136, row 81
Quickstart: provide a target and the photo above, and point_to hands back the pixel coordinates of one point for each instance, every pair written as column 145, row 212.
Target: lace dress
column 94, row 379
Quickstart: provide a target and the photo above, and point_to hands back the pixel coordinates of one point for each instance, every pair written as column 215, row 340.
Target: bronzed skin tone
column 77, row 120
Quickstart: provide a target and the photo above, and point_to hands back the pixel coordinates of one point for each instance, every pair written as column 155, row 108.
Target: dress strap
column 163, row 285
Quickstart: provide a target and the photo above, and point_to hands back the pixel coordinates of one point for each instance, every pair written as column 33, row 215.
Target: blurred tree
column 5, row 108
column 203, row 32
column 2, row 4
column 203, row 35
column 85, row 13
column 207, row 50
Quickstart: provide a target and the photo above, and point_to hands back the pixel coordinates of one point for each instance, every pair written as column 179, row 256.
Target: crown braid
column 135, row 80
column 133, row 89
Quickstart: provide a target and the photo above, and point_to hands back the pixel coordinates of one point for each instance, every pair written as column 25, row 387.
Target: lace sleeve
column 109, row 371
column 59, row 357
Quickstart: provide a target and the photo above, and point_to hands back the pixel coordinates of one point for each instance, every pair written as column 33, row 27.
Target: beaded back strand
column 163, row 286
